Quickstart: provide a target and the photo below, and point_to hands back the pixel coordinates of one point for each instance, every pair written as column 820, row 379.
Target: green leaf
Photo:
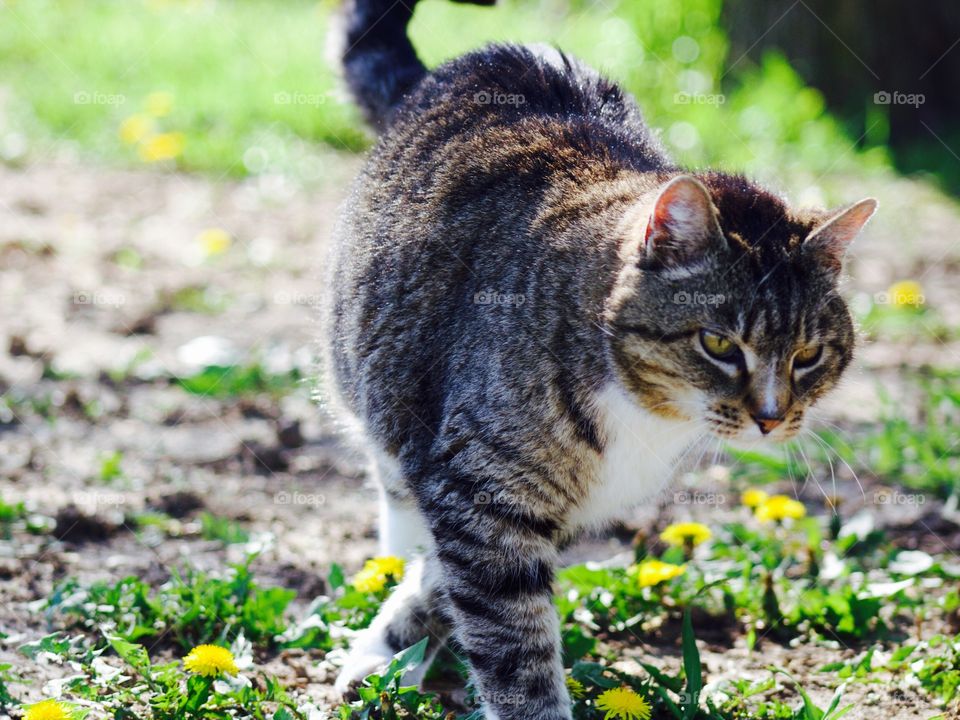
column 691, row 668
column 576, row 644
column 666, row 699
column 902, row 653
column 198, row 692
column 54, row 643
column 135, row 655
column 673, row 684
column 809, row 710
column 593, row 675
column 336, row 577
column 402, row 662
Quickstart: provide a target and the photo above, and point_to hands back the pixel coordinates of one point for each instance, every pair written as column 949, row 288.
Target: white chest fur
column 640, row 453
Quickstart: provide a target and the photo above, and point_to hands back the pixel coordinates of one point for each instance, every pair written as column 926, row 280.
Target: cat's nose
column 765, row 423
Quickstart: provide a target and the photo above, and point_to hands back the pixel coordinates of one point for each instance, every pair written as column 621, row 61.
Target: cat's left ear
column 683, row 226
column 828, row 242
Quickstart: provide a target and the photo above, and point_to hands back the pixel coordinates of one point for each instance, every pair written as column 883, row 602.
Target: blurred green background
column 245, row 87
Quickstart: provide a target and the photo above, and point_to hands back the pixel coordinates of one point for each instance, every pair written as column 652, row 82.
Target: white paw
column 369, row 654
column 357, row 666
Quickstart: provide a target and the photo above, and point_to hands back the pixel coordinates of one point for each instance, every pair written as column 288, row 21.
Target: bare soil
column 107, row 295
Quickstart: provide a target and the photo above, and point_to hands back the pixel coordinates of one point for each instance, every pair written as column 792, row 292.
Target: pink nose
column 766, row 424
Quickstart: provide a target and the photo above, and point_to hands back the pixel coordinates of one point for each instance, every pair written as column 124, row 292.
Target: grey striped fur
column 510, row 330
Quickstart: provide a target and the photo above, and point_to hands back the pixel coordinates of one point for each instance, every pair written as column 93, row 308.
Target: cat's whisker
column 822, row 420
column 717, row 449
column 830, row 449
column 833, row 474
column 686, row 453
column 815, row 480
column 812, row 474
column 793, row 480
column 604, row 328
column 704, row 443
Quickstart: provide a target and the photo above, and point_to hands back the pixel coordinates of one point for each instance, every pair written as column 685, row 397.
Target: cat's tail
column 379, row 62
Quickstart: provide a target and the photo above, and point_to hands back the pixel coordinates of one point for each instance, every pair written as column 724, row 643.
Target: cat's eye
column 718, row 346
column 808, row 357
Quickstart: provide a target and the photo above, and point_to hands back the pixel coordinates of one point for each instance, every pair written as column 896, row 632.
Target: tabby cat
column 533, row 314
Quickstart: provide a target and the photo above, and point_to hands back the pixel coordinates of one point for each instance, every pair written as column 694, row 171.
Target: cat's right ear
column 683, row 225
column 828, row 242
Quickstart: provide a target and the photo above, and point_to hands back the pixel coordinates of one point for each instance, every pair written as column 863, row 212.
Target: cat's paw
column 370, row 654
column 359, row 664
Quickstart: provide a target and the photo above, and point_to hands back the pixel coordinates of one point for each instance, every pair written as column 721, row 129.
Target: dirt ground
column 107, row 294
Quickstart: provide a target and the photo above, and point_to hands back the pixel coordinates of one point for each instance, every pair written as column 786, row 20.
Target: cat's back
column 506, row 97
column 476, row 152
column 450, row 206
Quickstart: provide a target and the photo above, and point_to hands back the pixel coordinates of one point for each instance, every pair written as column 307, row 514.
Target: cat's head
column 727, row 310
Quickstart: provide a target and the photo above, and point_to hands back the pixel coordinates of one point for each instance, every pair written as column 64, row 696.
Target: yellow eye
column 807, row 356
column 718, row 346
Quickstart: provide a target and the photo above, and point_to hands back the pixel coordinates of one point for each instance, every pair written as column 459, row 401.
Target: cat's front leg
column 498, row 570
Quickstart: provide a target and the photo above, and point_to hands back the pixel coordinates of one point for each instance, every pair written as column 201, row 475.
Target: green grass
column 252, row 91
column 227, row 531
column 760, row 581
column 79, row 69
column 239, row 381
column 191, row 609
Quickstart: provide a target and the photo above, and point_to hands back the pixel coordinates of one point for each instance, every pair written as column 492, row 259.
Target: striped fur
column 507, row 328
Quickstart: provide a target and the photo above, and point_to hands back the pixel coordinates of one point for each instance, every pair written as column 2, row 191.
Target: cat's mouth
column 739, row 428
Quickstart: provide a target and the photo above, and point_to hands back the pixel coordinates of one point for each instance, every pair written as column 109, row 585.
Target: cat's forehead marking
column 737, row 239
column 684, row 272
column 741, row 322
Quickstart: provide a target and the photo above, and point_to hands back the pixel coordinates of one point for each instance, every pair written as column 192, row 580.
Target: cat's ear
column 683, row 225
column 828, row 242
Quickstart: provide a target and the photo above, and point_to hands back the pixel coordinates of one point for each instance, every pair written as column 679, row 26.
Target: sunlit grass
column 247, row 87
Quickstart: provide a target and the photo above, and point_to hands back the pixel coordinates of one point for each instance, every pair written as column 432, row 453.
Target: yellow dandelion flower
column 163, row 146
column 214, row 241
column 367, row 581
column 135, row 128
column 906, row 293
column 624, row 704
column 390, row 565
column 575, row 688
column 48, row 710
column 654, row 572
column 687, row 533
column 210, row 661
column 159, row 104
column 376, row 573
column 753, row 498
column 779, row 507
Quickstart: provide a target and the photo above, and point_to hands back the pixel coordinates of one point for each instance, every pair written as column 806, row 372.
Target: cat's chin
column 752, row 439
